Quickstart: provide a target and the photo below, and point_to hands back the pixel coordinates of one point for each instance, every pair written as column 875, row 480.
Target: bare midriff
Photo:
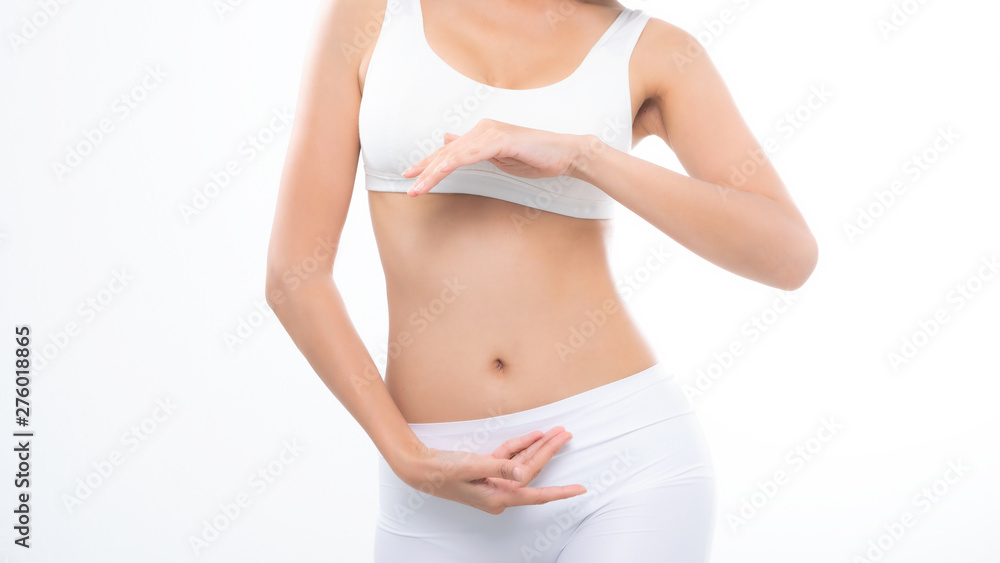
column 495, row 307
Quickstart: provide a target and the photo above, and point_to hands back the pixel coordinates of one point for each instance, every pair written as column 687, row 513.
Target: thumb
column 504, row 469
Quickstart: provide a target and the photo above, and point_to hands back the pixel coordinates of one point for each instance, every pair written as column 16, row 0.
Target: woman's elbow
column 274, row 291
column 284, row 277
column 798, row 262
column 279, row 282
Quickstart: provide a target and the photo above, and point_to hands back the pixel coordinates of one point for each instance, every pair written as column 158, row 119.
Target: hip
column 635, row 434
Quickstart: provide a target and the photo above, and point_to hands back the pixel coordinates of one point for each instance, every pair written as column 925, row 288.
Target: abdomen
column 496, row 307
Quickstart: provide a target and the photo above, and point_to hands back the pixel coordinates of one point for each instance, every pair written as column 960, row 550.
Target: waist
column 455, row 372
column 608, row 411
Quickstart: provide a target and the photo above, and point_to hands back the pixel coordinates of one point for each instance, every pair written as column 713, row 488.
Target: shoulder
column 675, row 75
column 346, row 31
column 352, row 25
column 663, row 54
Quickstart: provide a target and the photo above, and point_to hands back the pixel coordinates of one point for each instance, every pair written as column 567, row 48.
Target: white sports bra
column 412, row 98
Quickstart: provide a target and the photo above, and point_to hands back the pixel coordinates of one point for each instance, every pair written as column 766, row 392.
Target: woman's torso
column 496, row 307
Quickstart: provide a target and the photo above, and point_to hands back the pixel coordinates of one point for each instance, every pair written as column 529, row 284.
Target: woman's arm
column 313, row 198
column 733, row 209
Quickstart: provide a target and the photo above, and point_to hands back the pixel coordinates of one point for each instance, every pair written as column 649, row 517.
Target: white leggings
column 636, row 446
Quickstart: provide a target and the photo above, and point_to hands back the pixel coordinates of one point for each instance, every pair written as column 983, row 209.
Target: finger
column 543, row 455
column 420, row 165
column 428, row 175
column 542, row 495
column 515, row 445
column 488, row 467
column 477, row 149
column 530, row 451
column 424, row 162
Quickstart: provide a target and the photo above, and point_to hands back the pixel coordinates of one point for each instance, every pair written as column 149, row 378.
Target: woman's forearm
column 316, row 319
column 744, row 232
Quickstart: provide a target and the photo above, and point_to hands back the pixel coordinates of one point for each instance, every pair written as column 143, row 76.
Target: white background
column 162, row 337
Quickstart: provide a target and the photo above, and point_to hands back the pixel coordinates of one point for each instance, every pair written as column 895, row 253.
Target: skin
column 515, row 289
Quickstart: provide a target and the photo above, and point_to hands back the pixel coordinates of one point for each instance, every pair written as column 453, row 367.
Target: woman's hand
column 521, row 151
column 495, row 482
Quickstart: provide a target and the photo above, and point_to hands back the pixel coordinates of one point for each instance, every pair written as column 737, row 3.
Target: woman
column 495, row 137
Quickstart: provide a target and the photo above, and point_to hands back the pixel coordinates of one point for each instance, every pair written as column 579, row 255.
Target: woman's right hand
column 491, row 483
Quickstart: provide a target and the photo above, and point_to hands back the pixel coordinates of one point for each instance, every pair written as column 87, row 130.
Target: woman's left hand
column 521, row 151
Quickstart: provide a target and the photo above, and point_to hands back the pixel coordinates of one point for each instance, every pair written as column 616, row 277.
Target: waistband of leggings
column 587, row 401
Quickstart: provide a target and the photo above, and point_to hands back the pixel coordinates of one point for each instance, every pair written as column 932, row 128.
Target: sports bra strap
column 627, row 35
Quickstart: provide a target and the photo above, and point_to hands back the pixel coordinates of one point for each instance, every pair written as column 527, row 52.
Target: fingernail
column 518, row 474
column 417, row 186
